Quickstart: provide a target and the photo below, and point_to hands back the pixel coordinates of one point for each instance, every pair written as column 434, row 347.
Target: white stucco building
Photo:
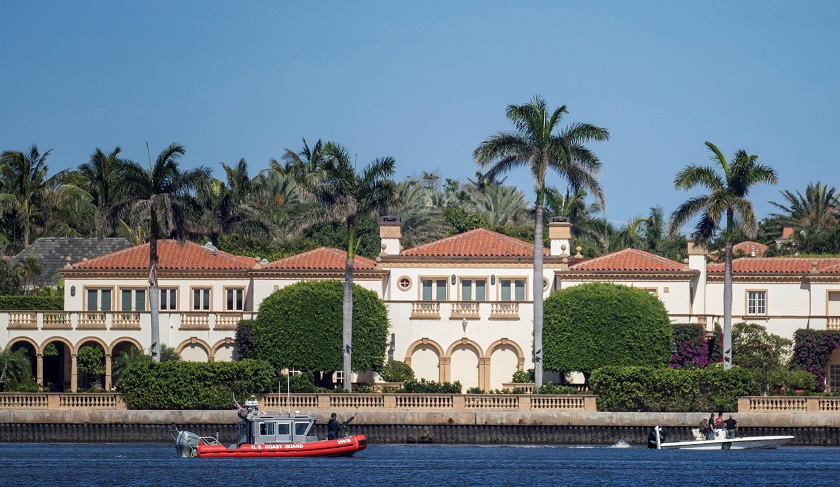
column 460, row 307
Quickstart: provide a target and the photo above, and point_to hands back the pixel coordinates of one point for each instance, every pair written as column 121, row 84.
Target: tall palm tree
column 344, row 195
column 156, row 195
column 24, row 185
column 304, row 165
column 535, row 145
column 816, row 216
column 500, row 204
column 99, row 177
column 728, row 183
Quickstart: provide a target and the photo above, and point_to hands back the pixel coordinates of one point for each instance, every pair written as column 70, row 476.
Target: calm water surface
column 418, row 465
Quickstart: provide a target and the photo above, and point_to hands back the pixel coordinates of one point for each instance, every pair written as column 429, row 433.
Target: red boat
column 260, row 435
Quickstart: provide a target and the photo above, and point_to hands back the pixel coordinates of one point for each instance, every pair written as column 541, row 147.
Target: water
column 420, row 465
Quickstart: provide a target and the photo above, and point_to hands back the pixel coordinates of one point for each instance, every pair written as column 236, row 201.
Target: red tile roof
column 629, row 260
column 322, row 258
column 475, row 243
column 778, row 265
column 750, row 249
column 171, row 256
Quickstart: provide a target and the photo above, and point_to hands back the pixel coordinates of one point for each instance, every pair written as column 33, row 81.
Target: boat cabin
column 257, row 429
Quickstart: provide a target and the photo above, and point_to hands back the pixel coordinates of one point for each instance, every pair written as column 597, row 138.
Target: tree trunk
column 727, row 307
column 347, row 323
column 537, row 285
column 154, row 296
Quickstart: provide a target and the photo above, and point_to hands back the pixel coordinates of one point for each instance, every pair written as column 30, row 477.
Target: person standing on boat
column 731, row 427
column 706, row 430
column 719, row 421
column 333, row 427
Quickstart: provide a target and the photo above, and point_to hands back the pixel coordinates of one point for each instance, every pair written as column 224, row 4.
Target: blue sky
column 426, row 82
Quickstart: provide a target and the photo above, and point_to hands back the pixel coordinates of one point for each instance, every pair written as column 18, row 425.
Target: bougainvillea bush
column 812, row 350
column 692, row 347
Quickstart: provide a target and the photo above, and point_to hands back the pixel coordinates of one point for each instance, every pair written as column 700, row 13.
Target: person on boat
column 731, row 427
column 719, row 421
column 706, row 430
column 333, row 427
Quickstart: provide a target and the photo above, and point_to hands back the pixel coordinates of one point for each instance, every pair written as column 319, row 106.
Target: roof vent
column 559, row 219
column 210, row 246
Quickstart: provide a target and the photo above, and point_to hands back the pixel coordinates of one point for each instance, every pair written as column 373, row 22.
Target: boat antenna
column 289, row 391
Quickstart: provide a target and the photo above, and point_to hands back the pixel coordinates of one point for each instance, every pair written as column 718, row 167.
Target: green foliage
column 475, row 390
column 300, row 327
column 334, row 234
column 649, row 389
column 462, row 220
column 396, row 371
column 193, row 385
column 33, row 303
column 430, row 387
column 551, row 388
column 91, row 360
column 788, row 381
column 523, row 377
column 251, row 247
column 15, row 368
column 244, row 339
column 599, row 324
column 759, row 352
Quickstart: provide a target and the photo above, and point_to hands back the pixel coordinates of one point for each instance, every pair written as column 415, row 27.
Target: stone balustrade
column 71, row 401
column 789, row 404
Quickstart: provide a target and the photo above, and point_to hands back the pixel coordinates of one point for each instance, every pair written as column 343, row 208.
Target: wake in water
column 621, row 444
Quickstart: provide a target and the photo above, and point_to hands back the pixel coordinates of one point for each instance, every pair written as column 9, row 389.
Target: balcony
column 126, row 321
column 23, row 320
column 832, row 323
column 425, row 310
column 227, row 321
column 57, row 321
column 504, row 311
column 195, row 321
column 465, row 310
column 94, row 320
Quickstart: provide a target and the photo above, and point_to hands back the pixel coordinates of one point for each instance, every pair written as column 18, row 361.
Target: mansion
column 460, row 307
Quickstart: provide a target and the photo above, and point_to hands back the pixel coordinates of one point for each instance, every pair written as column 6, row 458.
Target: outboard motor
column 654, row 441
column 186, row 444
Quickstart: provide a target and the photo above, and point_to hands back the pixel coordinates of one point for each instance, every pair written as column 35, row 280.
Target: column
column 74, row 373
column 444, row 369
column 484, row 373
column 39, row 368
column 107, row 384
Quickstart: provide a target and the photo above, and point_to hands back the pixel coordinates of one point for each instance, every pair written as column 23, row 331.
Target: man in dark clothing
column 333, row 427
column 731, row 427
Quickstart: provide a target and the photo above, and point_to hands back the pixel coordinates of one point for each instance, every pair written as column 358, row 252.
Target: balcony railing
column 94, row 320
column 833, row 323
column 504, row 311
column 57, row 321
column 126, row 321
column 195, row 321
column 425, row 310
column 227, row 321
column 117, row 320
column 465, row 310
column 23, row 320
column 789, row 404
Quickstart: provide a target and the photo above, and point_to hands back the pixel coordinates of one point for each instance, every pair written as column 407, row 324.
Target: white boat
column 721, row 442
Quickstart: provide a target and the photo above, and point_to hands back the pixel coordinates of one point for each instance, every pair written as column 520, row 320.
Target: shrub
column 551, row 388
column 599, row 324
column 811, row 351
column 31, row 303
column 788, row 381
column 244, row 339
column 430, row 387
column 649, row 389
column 692, row 347
column 523, row 377
column 396, row 371
column 475, row 390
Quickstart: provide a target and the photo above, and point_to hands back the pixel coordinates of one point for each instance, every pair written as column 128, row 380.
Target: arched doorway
column 464, row 365
column 123, row 352
column 504, row 361
column 425, row 358
column 57, row 365
column 194, row 350
column 90, row 365
column 19, row 376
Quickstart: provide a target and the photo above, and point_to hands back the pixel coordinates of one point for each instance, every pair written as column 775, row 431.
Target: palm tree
column 344, row 195
column 24, row 185
column 99, row 177
column 156, row 195
column 14, row 366
column 535, row 146
column 814, row 215
column 500, row 204
column 728, row 190
column 304, row 166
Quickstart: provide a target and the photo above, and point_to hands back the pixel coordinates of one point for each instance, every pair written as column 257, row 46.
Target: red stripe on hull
column 327, row 448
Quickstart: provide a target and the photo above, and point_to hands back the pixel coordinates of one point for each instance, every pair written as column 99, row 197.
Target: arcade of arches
column 487, row 369
column 56, row 360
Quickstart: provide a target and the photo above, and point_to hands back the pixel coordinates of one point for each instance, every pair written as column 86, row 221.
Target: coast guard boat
column 260, row 435
column 656, row 439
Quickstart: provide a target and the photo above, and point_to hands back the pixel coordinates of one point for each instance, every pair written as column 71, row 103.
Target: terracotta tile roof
column 750, row 248
column 322, row 258
column 475, row 243
column 171, row 255
column 779, row 265
column 629, row 260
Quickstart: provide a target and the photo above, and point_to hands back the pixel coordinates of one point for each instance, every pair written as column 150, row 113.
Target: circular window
column 545, row 284
column 404, row 283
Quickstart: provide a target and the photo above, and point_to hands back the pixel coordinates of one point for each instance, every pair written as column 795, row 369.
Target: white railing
column 504, row 311
column 23, row 320
column 227, row 321
column 832, row 323
column 57, row 321
column 92, row 320
column 465, row 309
column 425, row 310
column 126, row 320
column 195, row 321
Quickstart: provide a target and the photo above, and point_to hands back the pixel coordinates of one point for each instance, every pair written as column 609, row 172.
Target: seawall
column 459, row 427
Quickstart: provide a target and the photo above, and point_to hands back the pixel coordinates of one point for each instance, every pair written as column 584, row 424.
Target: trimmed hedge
column 599, row 324
column 649, row 389
column 31, row 303
column 194, row 385
column 300, row 327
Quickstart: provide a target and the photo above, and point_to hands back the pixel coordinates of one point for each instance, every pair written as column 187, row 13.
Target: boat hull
column 745, row 443
column 342, row 447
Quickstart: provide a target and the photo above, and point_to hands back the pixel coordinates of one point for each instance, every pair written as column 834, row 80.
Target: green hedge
column 31, row 303
column 649, row 389
column 194, row 385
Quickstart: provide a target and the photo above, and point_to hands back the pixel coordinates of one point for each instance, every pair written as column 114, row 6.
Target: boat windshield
column 301, row 428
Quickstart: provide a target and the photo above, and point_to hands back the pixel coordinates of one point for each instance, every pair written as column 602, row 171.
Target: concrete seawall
column 460, row 427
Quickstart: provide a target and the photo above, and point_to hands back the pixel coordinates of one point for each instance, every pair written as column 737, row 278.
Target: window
column 201, row 299
column 234, row 299
column 98, row 300
column 434, row 290
column 513, row 289
column 266, row 429
column 756, row 302
column 283, row 429
column 169, row 299
column 404, row 283
column 132, row 300
column 473, row 289
column 301, row 428
column 834, row 378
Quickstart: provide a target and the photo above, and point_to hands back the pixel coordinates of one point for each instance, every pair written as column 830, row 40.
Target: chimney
column 787, row 232
column 390, row 234
column 560, row 235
